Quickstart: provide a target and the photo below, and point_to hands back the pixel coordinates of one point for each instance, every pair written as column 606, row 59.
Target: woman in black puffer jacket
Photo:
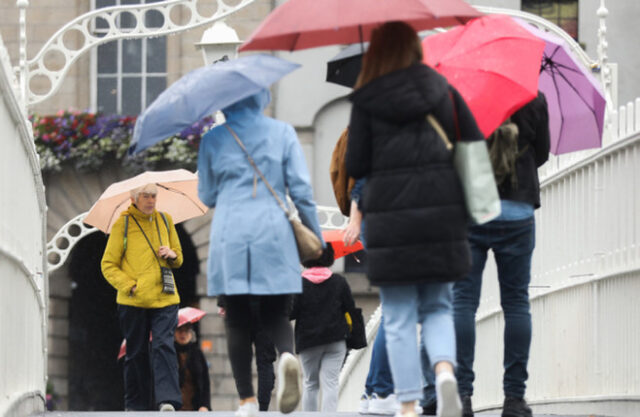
column 321, row 330
column 413, row 205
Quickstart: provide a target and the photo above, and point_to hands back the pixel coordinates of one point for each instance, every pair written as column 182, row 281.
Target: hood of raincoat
column 317, row 274
column 248, row 107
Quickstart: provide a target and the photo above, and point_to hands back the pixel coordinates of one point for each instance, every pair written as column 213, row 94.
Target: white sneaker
column 166, row 407
column 449, row 404
column 288, row 383
column 248, row 409
column 364, row 404
column 386, row 406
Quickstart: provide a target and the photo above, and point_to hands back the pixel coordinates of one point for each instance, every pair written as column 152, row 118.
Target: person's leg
column 137, row 372
column 513, row 252
column 163, row 356
column 466, row 298
column 274, row 316
column 265, row 357
column 238, row 326
column 330, row 366
column 435, row 313
column 379, row 368
column 274, row 313
column 428, row 401
column 400, row 310
column 310, row 359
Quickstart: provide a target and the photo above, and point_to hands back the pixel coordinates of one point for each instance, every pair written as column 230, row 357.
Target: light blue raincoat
column 252, row 249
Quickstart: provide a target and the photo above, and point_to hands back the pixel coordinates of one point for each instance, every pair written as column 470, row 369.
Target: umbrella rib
column 114, row 211
column 182, row 193
column 574, row 89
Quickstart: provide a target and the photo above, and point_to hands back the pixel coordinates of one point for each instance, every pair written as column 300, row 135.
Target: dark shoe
column 515, row 407
column 467, row 409
column 430, row 410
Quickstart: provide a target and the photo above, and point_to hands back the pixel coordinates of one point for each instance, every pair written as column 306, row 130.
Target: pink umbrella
column 301, row 24
column 185, row 315
column 493, row 62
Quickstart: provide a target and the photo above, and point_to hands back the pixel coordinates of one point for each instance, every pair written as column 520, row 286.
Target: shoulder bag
column 309, row 245
column 473, row 165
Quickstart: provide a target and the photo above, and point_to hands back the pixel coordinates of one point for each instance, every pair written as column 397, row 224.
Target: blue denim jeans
column 379, row 378
column 429, row 375
column 403, row 306
column 512, row 243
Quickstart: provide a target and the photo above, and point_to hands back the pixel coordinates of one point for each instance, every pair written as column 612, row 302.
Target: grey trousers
column 321, row 368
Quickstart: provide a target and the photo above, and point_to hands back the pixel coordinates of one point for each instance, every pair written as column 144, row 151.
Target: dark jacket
column 319, row 312
column 533, row 136
column 413, row 201
column 193, row 375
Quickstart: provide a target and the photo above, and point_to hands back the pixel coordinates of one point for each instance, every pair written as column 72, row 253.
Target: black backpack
column 504, row 152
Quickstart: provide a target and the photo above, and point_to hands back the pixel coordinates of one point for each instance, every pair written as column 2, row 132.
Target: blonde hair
column 150, row 188
column 393, row 46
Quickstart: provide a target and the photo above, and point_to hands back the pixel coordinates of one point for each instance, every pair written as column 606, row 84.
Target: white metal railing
column 24, row 295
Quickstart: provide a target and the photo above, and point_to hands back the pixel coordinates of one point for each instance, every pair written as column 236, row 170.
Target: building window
column 130, row 73
column 563, row 13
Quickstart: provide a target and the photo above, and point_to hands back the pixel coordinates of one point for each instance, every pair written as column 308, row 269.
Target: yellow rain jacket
column 138, row 265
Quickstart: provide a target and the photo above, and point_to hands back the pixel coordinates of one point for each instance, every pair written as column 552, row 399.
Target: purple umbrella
column 576, row 102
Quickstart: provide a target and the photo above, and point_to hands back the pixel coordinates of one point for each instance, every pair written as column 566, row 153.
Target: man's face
column 146, row 202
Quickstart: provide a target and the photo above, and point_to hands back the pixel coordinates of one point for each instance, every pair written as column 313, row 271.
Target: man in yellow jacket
column 141, row 251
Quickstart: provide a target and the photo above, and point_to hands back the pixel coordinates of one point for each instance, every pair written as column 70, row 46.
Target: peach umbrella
column 177, row 195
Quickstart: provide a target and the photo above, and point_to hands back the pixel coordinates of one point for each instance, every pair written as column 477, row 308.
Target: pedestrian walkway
column 262, row 414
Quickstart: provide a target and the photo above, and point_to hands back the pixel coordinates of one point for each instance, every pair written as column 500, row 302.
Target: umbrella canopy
column 185, row 315
column 574, row 97
column 301, row 24
column 202, row 92
column 177, row 195
column 336, row 238
column 494, row 64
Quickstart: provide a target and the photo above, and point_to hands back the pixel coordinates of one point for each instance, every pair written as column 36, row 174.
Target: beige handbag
column 309, row 246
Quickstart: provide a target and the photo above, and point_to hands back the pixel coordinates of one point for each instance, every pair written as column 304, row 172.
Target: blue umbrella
column 203, row 91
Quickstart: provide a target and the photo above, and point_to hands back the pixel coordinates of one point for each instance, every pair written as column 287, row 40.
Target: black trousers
column 161, row 368
column 265, row 357
column 244, row 315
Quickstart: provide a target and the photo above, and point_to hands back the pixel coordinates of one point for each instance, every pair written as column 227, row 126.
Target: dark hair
column 393, row 46
column 326, row 259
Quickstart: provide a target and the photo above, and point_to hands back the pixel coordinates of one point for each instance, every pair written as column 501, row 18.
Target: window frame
column 119, row 74
column 556, row 20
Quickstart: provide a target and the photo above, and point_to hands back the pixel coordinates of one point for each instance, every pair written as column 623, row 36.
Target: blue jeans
column 379, row 378
column 429, row 304
column 429, row 375
column 512, row 243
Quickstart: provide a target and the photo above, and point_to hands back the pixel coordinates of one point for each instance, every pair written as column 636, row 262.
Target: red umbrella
column 301, row 24
column 493, row 62
column 185, row 315
column 336, row 238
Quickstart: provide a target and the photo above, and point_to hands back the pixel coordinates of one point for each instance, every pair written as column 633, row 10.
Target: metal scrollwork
column 106, row 19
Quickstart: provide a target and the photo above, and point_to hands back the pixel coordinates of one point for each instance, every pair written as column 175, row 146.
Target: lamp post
column 219, row 42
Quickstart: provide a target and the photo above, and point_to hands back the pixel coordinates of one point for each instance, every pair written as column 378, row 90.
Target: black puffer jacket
column 319, row 312
column 415, row 215
column 533, row 137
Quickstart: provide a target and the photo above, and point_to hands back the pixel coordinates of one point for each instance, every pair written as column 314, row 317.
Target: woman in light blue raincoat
column 253, row 258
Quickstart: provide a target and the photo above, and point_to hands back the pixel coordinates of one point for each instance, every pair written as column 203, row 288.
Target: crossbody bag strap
column 255, row 167
column 438, row 127
column 148, row 241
